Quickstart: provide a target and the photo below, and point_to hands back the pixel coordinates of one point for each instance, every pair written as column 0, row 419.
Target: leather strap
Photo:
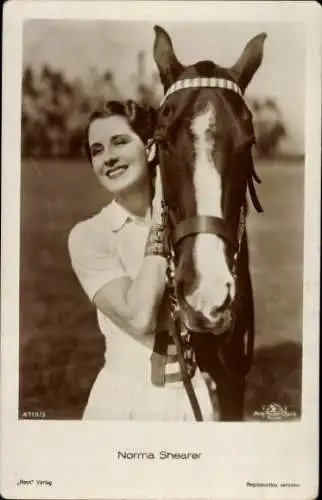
column 202, row 224
column 186, row 377
column 161, row 357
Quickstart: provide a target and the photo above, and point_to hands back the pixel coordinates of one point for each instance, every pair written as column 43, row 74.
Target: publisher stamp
column 272, row 484
column 275, row 411
column 34, row 482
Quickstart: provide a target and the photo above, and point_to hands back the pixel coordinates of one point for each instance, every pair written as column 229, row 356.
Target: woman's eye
column 118, row 141
column 96, row 151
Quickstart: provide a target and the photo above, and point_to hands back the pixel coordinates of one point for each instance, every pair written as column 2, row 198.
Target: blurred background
column 69, row 67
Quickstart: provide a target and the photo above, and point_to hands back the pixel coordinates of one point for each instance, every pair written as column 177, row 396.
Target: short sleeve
column 93, row 258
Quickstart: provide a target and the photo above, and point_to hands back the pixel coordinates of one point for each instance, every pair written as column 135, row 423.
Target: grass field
column 61, row 349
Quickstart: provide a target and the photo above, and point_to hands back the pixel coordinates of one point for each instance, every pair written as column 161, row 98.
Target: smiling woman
column 115, row 145
column 120, row 260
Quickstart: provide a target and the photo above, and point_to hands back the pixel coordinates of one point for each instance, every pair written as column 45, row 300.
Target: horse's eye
column 165, row 145
column 166, row 111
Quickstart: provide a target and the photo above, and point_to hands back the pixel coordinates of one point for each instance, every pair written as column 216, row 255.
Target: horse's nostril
column 225, row 304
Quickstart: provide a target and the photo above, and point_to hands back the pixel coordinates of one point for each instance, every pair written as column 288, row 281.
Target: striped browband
column 198, row 82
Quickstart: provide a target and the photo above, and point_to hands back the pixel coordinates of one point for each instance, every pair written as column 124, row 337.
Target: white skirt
column 114, row 397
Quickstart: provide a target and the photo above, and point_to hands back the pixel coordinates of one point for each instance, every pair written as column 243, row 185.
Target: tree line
column 55, row 111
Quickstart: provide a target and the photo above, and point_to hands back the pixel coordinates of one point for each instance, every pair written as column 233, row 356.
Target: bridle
column 200, row 225
column 210, row 224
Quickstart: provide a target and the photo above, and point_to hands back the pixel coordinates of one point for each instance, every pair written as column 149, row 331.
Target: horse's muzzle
column 219, row 322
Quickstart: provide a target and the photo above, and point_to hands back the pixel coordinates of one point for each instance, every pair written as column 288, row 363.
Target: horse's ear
column 165, row 58
column 249, row 61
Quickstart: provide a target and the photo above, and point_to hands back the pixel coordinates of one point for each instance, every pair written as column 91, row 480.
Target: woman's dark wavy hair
column 142, row 120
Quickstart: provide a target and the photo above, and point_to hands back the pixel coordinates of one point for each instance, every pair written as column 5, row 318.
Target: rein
column 201, row 225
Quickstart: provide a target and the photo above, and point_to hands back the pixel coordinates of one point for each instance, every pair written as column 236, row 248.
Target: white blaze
column 206, row 179
column 209, row 255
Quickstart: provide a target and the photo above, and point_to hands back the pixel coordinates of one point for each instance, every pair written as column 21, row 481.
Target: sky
column 76, row 47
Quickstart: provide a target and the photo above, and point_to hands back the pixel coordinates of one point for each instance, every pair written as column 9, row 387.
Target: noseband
column 200, row 225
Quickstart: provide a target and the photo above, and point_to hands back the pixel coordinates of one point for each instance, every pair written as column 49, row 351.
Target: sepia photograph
column 160, row 265
column 91, row 276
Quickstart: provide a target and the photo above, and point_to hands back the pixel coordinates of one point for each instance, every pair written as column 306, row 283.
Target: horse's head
column 205, row 134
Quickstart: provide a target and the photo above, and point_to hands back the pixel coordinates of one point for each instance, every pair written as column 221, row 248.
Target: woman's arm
column 133, row 304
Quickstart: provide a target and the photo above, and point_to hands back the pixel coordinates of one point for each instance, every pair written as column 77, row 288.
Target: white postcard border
column 80, row 457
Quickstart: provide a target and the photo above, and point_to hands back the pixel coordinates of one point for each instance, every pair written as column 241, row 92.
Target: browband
column 204, row 82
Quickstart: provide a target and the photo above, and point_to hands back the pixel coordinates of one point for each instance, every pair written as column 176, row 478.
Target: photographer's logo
column 274, row 411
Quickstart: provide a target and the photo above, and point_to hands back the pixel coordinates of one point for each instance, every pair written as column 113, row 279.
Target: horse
column 204, row 136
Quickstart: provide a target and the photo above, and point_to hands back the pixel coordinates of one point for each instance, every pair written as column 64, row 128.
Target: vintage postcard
column 160, row 258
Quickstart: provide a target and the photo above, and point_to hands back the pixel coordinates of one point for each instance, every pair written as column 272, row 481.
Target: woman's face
column 118, row 155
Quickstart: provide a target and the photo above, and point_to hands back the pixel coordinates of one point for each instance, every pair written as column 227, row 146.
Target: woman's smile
column 117, row 171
